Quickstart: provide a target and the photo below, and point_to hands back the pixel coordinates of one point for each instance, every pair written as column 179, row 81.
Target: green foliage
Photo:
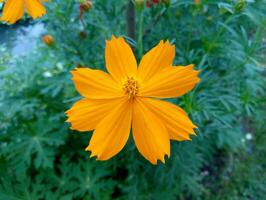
column 40, row 158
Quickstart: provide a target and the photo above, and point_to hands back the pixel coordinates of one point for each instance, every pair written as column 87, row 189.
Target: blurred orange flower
column 130, row 96
column 14, row 9
column 48, row 39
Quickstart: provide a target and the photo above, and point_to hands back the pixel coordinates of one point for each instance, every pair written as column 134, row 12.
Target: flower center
column 131, row 87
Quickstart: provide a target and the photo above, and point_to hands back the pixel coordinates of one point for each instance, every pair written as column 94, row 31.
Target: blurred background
column 41, row 158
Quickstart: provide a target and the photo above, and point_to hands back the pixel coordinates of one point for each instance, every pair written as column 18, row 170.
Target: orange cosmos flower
column 130, row 96
column 14, row 9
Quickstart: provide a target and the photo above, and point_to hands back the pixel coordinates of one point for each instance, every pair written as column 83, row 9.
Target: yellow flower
column 130, row 96
column 14, row 9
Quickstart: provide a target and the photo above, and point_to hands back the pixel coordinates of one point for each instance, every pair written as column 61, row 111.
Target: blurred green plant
column 40, row 158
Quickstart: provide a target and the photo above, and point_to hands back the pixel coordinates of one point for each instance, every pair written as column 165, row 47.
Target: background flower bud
column 82, row 34
column 48, row 40
column 86, row 5
column 240, row 5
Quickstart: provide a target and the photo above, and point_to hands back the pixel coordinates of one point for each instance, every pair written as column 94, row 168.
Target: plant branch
column 131, row 22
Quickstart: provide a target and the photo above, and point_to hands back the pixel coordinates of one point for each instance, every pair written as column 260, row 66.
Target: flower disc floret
column 131, row 87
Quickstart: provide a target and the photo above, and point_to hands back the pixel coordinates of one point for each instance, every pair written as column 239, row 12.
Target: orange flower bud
column 82, row 34
column 85, row 5
column 48, row 39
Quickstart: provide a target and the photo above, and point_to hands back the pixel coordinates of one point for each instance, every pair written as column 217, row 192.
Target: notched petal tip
column 162, row 159
column 88, row 149
column 190, row 65
column 113, row 37
column 193, row 132
column 7, row 21
column 71, row 128
column 166, row 156
column 161, row 42
column 74, row 71
column 168, row 44
column 40, row 15
column 68, row 111
column 193, row 127
column 196, row 72
column 92, row 153
column 98, row 156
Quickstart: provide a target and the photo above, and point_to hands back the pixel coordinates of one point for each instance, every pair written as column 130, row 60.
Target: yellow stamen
column 131, row 87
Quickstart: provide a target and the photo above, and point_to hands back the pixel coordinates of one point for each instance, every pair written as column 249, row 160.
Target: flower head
column 48, row 39
column 129, row 96
column 14, row 9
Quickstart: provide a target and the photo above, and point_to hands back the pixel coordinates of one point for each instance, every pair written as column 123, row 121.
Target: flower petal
column 85, row 114
column 175, row 119
column 155, row 60
column 112, row 133
column 96, row 84
column 149, row 133
column 34, row 8
column 120, row 60
column 170, row 82
column 13, row 11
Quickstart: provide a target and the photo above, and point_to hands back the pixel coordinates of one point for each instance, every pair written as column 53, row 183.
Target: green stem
column 220, row 31
column 140, row 33
column 252, row 49
column 130, row 16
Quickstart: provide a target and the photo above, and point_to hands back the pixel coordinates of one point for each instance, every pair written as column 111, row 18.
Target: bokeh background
column 41, row 158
